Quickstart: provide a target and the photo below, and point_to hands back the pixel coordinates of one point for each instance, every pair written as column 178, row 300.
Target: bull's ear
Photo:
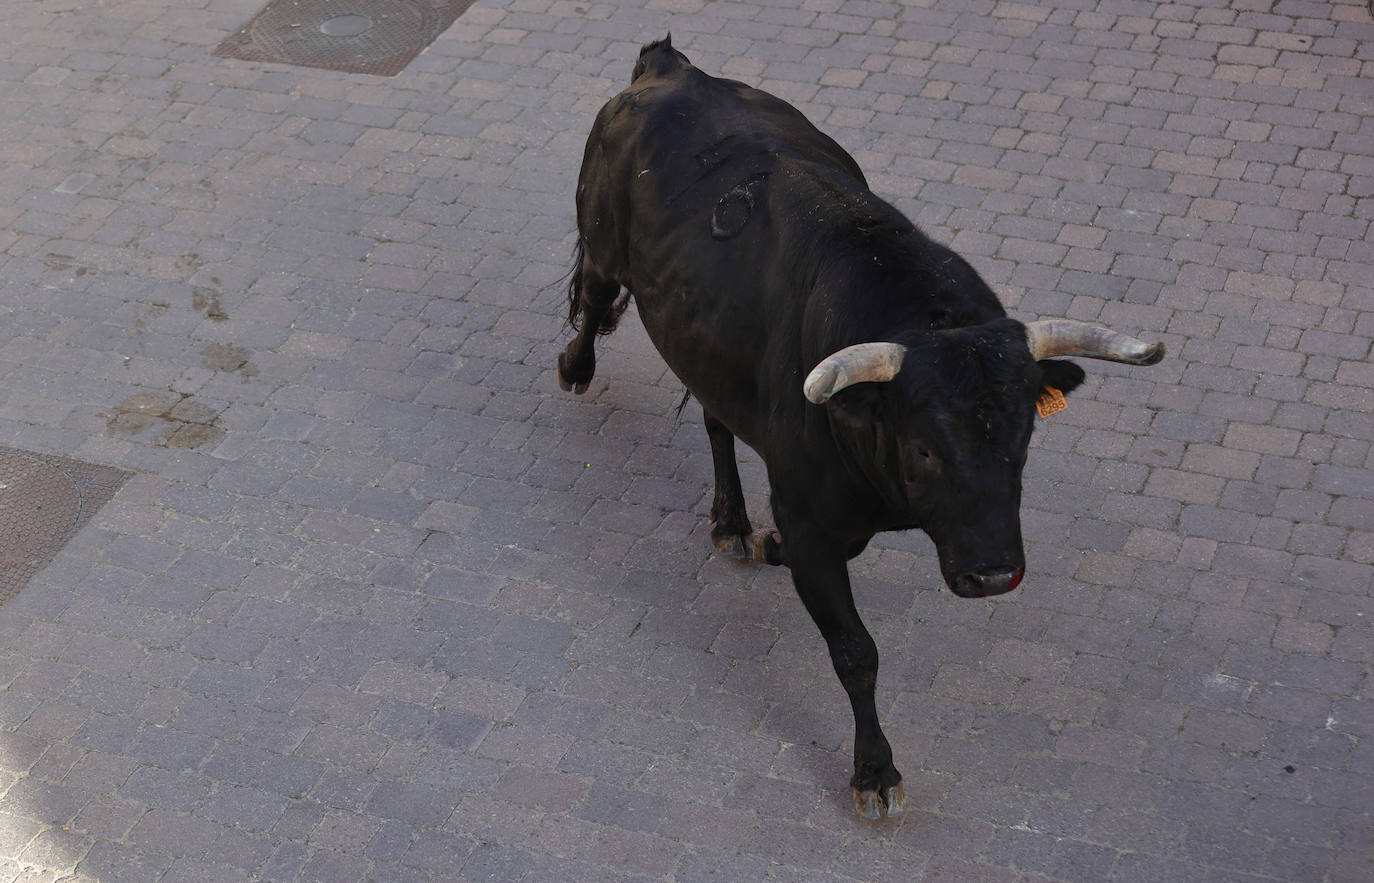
column 857, row 406
column 1063, row 376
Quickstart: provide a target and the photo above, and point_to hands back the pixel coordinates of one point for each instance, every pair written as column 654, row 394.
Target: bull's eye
column 925, row 455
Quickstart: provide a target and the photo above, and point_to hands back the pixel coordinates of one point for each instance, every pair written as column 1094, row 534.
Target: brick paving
column 382, row 603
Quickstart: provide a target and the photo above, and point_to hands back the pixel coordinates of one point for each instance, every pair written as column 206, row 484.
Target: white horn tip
column 1153, row 353
column 820, row 384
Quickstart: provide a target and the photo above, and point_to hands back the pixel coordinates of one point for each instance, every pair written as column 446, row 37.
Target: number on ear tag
column 1051, row 401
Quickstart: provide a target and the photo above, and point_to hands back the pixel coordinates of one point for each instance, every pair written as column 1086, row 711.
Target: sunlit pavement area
column 379, row 601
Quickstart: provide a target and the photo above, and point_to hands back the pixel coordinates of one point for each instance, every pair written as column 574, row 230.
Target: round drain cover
column 341, row 31
column 39, row 506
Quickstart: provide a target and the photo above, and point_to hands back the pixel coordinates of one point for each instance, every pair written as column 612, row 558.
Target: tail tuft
column 575, row 288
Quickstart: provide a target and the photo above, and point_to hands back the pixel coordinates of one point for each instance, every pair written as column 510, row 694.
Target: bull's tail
column 575, row 287
column 658, row 59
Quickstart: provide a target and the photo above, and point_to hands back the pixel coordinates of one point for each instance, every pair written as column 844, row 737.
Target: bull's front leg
column 821, row 576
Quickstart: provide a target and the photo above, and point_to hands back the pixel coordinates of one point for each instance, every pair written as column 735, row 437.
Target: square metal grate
column 44, row 501
column 376, row 37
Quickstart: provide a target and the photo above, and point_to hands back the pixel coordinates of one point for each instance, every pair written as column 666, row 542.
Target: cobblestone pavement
column 383, row 603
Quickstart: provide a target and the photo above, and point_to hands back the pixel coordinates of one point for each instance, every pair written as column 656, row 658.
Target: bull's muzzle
column 983, row 584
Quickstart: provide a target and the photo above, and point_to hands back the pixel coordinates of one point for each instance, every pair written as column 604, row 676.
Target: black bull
column 872, row 369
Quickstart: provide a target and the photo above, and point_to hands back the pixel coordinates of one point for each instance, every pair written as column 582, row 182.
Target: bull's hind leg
column 730, row 528
column 594, row 308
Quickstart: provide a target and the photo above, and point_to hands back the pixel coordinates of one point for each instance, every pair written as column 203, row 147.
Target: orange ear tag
column 1051, row 401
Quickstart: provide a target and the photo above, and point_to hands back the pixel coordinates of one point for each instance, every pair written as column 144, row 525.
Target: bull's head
column 947, row 446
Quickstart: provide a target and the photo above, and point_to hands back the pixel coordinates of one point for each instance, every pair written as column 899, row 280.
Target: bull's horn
column 860, row 363
column 1048, row 338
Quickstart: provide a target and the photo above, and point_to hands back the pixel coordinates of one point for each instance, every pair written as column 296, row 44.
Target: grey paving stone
column 418, row 615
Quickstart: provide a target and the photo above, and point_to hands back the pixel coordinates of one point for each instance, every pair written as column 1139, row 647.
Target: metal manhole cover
column 359, row 36
column 44, row 500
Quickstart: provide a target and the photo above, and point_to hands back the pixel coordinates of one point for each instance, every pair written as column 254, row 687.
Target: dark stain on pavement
column 206, row 300
column 229, row 357
column 171, row 419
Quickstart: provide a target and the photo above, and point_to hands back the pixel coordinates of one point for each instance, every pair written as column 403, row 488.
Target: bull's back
column 674, row 129
column 686, row 121
column 686, row 199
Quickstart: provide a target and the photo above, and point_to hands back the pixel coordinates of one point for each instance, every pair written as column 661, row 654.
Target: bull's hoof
column 569, row 381
column 761, row 546
column 874, row 804
column 766, row 547
column 730, row 544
